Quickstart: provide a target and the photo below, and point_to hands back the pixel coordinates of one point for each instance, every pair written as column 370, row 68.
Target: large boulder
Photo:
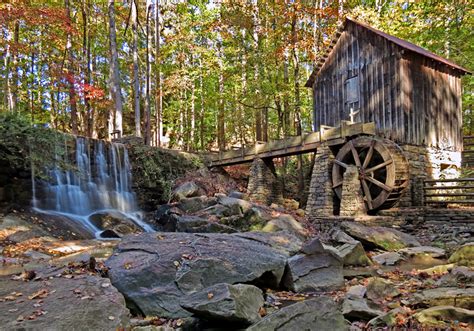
column 284, row 242
column 464, row 255
column 423, row 251
column 166, row 217
column 359, row 309
column 379, row 237
column 388, row 258
column 286, row 223
column 316, row 314
column 186, row 190
column 252, row 220
column 79, row 303
column 236, row 304
column 446, row 296
column 442, row 317
column 234, row 203
column 318, row 269
column 155, row 270
column 114, row 222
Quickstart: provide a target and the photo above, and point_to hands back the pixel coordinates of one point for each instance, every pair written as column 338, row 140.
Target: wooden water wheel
column 383, row 170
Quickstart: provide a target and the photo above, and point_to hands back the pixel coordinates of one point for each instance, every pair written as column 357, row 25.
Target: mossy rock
column 464, row 255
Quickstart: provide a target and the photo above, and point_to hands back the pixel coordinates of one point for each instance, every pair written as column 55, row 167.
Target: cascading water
column 95, row 178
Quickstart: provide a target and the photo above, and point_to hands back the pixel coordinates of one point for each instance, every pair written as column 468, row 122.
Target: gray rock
column 446, row 296
column 155, row 270
column 379, row 237
column 229, row 202
column 378, row 289
column 83, row 302
column 252, row 220
column 457, row 276
column 166, row 217
column 353, row 254
column 286, row 223
column 186, row 190
column 195, row 224
column 313, row 246
column 388, row 258
column 388, row 319
column 238, row 195
column 423, row 250
column 359, row 309
column 237, row 304
column 314, row 315
column 444, row 316
column 356, row 291
column 464, row 255
column 314, row 272
column 194, row 204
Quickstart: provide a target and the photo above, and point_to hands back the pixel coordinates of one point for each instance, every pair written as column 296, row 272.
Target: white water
column 97, row 178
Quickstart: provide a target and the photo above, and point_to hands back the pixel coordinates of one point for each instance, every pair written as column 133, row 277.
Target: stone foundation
column 321, row 195
column 264, row 185
column 352, row 202
column 427, row 163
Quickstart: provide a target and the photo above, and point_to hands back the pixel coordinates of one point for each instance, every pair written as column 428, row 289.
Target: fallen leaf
column 43, row 293
column 176, row 264
column 111, row 318
column 20, row 318
column 12, row 310
column 210, row 295
column 77, row 291
column 105, row 285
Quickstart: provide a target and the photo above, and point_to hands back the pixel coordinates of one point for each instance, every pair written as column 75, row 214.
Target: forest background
column 197, row 75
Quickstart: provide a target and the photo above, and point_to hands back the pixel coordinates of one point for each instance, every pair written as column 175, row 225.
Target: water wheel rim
column 367, row 169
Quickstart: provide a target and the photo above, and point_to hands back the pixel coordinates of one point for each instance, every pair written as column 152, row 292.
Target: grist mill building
column 412, row 96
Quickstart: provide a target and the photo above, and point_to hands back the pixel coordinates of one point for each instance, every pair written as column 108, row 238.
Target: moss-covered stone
column 464, row 255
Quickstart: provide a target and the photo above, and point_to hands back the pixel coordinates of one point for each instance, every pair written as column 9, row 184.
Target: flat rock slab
column 82, row 303
column 155, row 271
column 446, row 296
column 316, row 314
column 423, row 250
column 388, row 258
column 444, row 316
column 236, row 304
column 380, row 237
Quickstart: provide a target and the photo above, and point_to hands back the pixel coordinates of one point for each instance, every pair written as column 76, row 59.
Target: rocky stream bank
column 218, row 261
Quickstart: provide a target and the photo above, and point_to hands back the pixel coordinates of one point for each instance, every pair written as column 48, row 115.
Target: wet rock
column 236, row 304
column 116, row 222
column 286, row 223
column 444, row 316
column 166, row 217
column 388, row 258
column 316, row 314
column 156, row 270
column 82, row 302
column 423, row 251
column 464, row 255
column 194, row 204
column 379, row 237
column 359, row 309
column 315, row 272
column 195, row 224
column 378, row 289
column 186, row 190
column 446, row 296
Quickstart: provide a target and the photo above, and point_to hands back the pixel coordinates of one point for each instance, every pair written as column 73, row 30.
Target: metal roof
column 400, row 42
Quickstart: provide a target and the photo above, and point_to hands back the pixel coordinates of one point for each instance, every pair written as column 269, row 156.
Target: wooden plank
column 456, row 180
column 450, row 195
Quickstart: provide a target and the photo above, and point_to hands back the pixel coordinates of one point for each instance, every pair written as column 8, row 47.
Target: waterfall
column 94, row 176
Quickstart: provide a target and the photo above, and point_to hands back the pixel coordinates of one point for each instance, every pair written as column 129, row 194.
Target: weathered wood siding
column 409, row 99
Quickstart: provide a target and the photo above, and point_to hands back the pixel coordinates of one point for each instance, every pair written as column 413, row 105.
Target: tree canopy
column 196, row 75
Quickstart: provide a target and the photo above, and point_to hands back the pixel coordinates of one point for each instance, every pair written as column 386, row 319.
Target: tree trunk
column 70, row 74
column 159, row 94
column 86, row 54
column 220, row 105
column 7, row 59
column 136, row 81
column 16, row 69
column 148, row 76
column 115, row 91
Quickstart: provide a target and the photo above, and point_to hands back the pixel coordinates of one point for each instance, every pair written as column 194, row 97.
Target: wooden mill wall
column 411, row 100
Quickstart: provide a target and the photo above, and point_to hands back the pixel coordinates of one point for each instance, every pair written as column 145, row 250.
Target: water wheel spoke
column 378, row 183
column 342, row 164
column 355, row 154
column 368, row 157
column 368, row 196
column 379, row 166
